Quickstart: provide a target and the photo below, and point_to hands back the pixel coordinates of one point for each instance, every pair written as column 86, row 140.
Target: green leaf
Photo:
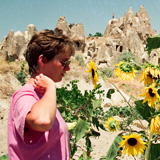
column 95, row 122
column 81, row 128
column 155, row 152
column 95, row 133
column 88, row 145
column 144, row 110
column 113, row 150
column 152, row 43
column 96, row 103
column 5, row 157
column 110, row 91
column 158, row 91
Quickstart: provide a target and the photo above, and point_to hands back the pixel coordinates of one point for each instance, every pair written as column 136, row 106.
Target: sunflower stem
column 128, row 104
column 149, row 147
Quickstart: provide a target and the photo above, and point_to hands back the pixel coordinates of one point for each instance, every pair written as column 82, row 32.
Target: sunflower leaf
column 113, row 150
column 81, row 128
column 154, row 152
column 152, row 43
column 144, row 110
column 110, row 91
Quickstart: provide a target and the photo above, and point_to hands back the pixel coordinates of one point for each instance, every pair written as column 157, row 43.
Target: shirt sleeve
column 21, row 108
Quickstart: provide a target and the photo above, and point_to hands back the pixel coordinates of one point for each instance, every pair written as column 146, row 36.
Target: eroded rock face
column 14, row 44
column 30, row 31
column 126, row 34
column 63, row 26
column 129, row 33
column 74, row 31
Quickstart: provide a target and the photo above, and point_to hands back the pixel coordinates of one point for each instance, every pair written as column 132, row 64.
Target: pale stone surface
column 75, row 32
column 30, row 31
column 15, row 44
column 126, row 34
column 129, row 33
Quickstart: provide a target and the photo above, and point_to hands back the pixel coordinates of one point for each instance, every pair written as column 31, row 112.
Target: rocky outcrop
column 129, row 33
column 126, row 34
column 29, row 32
column 75, row 32
column 14, row 44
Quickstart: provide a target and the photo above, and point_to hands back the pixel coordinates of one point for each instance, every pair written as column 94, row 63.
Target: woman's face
column 55, row 68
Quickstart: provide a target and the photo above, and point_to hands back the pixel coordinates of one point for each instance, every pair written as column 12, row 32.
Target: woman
column 36, row 129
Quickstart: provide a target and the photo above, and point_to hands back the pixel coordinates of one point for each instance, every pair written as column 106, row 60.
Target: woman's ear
column 41, row 60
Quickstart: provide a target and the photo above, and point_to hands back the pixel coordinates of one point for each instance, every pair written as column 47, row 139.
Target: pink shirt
column 34, row 145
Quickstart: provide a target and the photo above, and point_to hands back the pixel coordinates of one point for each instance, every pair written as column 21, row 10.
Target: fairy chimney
column 129, row 33
column 75, row 32
column 15, row 44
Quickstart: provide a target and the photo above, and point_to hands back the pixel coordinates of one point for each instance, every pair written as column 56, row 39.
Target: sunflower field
column 83, row 112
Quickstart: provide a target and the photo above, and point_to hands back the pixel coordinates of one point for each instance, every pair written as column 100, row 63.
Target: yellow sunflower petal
column 133, row 144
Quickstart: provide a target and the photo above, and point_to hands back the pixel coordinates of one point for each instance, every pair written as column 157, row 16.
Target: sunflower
column 125, row 71
column 151, row 95
column 112, row 124
column 155, row 125
column 133, row 144
column 94, row 75
column 149, row 75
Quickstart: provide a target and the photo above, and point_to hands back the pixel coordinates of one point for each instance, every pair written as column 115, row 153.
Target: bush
column 22, row 74
column 106, row 72
column 127, row 57
column 80, row 59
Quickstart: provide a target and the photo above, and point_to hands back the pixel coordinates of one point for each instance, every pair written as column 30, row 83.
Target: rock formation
column 126, row 34
column 75, row 32
column 129, row 33
column 14, row 44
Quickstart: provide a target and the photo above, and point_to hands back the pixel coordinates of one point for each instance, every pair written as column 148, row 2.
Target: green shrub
column 22, row 74
column 128, row 57
column 4, row 157
column 105, row 72
column 80, row 59
column 84, row 109
column 97, row 34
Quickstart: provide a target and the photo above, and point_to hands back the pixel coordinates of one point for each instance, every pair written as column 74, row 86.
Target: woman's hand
column 42, row 83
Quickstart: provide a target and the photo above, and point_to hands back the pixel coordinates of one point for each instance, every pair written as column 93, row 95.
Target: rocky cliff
column 126, row 34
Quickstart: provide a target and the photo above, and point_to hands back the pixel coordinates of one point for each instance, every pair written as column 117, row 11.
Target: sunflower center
column 151, row 93
column 93, row 74
column 112, row 124
column 132, row 141
column 125, row 67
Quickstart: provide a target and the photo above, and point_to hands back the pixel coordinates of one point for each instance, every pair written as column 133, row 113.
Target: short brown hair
column 49, row 44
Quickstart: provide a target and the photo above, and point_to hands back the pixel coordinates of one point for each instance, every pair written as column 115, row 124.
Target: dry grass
column 12, row 67
column 131, row 88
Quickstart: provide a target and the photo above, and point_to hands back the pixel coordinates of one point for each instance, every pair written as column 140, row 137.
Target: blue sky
column 93, row 14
